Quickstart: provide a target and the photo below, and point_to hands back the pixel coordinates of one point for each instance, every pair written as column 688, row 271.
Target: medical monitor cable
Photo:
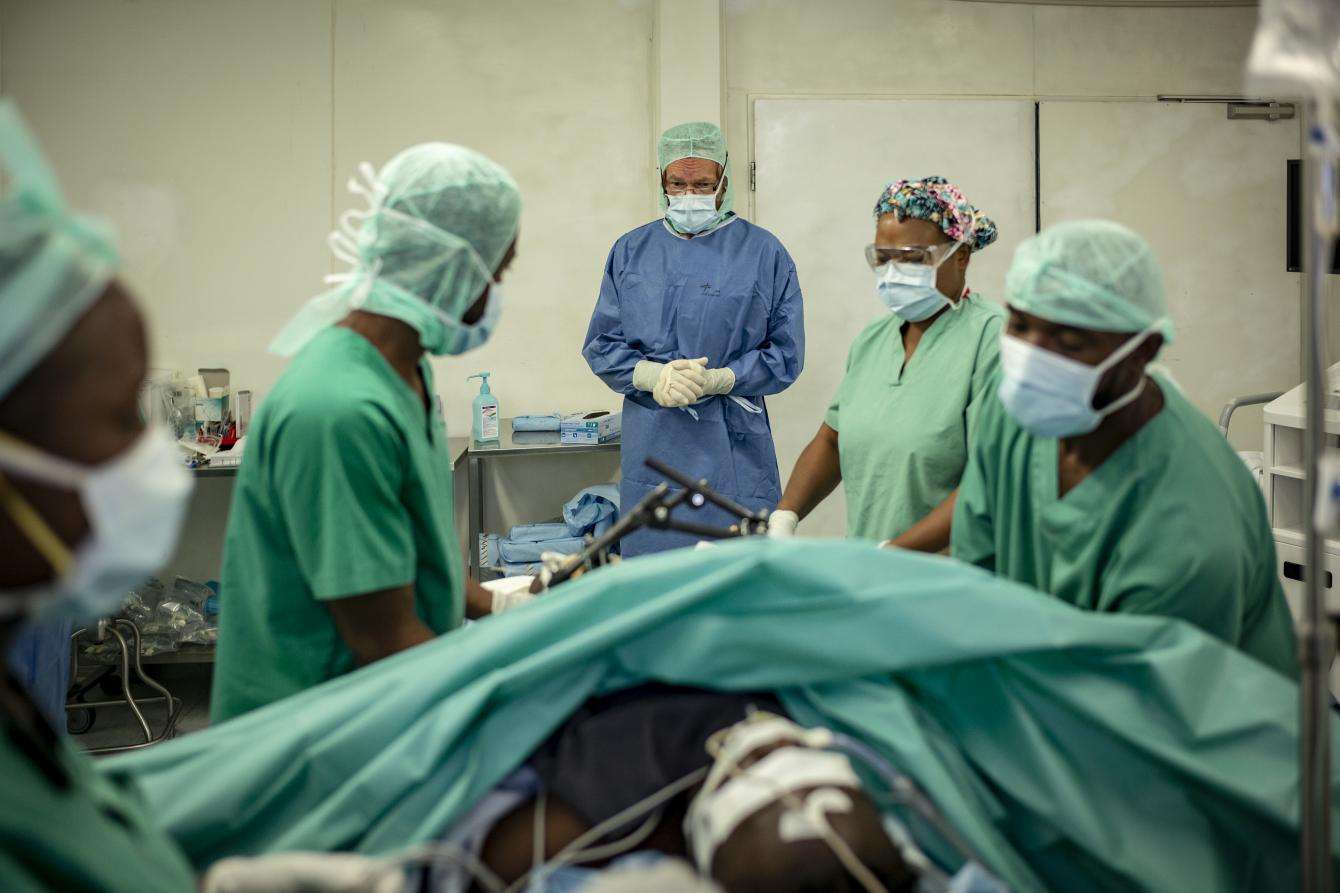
column 569, row 853
column 431, row 855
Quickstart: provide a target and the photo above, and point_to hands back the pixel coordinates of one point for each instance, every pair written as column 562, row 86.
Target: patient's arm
column 509, row 848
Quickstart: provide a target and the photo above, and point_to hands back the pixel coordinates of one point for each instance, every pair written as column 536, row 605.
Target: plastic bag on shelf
column 1296, row 49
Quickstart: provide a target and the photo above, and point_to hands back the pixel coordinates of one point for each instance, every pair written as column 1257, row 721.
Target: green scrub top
column 345, row 489
column 66, row 826
column 903, row 426
column 1172, row 523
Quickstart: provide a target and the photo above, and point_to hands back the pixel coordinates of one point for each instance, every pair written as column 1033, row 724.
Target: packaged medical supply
column 590, row 427
column 539, row 533
column 551, row 422
column 485, row 414
column 593, row 510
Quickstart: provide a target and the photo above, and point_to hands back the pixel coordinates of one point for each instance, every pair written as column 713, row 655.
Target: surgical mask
column 909, row 291
column 460, row 338
column 694, row 213
column 1052, row 396
column 135, row 504
column 691, row 213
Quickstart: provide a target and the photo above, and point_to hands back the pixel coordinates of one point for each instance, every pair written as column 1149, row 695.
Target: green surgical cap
column 697, row 139
column 439, row 221
column 53, row 263
column 1090, row 274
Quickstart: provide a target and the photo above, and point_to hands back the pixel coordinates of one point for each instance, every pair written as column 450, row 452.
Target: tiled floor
column 115, row 726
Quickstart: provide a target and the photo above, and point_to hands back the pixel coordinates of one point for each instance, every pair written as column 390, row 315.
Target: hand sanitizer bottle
column 485, row 413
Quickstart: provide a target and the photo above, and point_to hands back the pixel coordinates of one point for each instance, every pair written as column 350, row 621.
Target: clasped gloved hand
column 674, row 384
column 682, row 382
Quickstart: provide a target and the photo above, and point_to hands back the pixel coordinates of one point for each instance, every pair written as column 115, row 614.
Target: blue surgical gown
column 731, row 296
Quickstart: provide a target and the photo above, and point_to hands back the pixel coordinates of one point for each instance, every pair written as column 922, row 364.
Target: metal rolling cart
column 126, row 635
column 113, row 679
column 513, row 444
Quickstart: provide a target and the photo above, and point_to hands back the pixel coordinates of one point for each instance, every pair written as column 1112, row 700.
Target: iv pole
column 1316, row 635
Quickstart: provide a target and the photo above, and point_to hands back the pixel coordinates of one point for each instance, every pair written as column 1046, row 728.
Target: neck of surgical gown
column 1073, row 750
column 731, row 296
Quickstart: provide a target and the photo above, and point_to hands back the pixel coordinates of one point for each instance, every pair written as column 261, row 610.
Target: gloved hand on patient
column 681, row 383
column 782, row 524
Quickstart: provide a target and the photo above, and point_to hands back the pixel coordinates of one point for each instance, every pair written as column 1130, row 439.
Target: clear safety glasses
column 917, row 255
column 696, row 188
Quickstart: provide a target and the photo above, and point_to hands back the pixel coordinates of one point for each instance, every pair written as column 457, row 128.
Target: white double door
column 1208, row 194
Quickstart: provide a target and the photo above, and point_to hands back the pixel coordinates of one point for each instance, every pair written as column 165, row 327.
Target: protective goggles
column 916, row 255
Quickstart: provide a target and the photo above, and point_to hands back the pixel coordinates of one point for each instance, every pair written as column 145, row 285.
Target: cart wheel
column 80, row 721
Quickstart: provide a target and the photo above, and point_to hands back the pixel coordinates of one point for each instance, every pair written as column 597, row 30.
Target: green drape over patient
column 1074, row 750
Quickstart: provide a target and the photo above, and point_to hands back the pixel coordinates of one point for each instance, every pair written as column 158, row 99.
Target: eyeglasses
column 699, row 188
column 921, row 255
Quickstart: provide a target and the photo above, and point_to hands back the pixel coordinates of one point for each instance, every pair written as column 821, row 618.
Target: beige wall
column 202, row 130
column 219, row 136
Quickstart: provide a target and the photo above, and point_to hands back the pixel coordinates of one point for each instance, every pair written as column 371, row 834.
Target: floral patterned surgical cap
column 938, row 201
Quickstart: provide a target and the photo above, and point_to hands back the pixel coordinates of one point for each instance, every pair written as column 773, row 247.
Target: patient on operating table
column 744, row 818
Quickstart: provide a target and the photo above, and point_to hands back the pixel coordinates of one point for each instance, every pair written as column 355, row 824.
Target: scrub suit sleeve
column 772, row 367
column 972, row 535
column 337, row 473
column 606, row 349
column 984, row 369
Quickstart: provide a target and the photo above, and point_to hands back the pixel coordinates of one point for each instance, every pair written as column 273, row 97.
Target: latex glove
column 674, row 384
column 550, row 564
column 301, row 873
column 509, row 592
column 782, row 524
column 718, row 381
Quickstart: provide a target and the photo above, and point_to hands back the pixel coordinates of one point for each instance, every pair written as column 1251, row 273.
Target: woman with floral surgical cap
column 896, row 435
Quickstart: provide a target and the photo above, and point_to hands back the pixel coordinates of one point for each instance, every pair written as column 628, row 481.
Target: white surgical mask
column 135, row 503
column 909, row 291
column 1052, row 396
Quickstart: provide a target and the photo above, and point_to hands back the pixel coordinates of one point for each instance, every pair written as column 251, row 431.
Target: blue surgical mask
column 1052, row 396
column 909, row 291
column 460, row 338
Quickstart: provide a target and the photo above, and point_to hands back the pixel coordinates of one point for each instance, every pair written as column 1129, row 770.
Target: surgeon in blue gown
column 699, row 319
